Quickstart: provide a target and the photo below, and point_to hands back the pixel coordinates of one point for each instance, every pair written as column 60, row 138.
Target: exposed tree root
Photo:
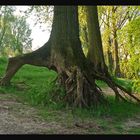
column 79, row 90
column 35, row 58
column 81, row 93
column 113, row 85
column 128, row 92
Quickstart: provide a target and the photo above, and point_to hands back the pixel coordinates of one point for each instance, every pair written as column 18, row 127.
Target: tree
column 83, row 29
column 14, row 33
column 42, row 14
column 95, row 51
column 130, row 53
column 21, row 41
column 105, row 20
column 113, row 19
column 6, row 18
column 63, row 53
column 95, row 43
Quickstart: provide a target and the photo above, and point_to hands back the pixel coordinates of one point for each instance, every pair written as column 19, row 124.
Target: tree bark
column 117, row 71
column 94, row 37
column 109, row 56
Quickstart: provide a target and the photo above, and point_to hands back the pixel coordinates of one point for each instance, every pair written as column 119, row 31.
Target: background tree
column 21, row 33
column 6, row 18
column 130, row 50
column 83, row 29
column 105, row 28
column 42, row 14
column 15, row 33
column 95, row 43
column 113, row 19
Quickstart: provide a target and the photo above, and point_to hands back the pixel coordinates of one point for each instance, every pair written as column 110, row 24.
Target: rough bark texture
column 63, row 53
column 109, row 57
column 95, row 43
column 117, row 71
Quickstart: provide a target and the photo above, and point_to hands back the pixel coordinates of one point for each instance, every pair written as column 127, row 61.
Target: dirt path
column 19, row 118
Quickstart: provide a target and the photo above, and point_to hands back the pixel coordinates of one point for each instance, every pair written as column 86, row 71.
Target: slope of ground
column 19, row 118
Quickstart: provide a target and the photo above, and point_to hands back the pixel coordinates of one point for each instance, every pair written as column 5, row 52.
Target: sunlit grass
column 34, row 85
column 131, row 85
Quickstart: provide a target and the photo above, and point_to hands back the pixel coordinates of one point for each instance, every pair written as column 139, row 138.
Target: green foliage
column 3, row 61
column 42, row 15
column 130, row 85
column 20, row 38
column 101, row 84
column 118, row 111
column 83, row 28
column 14, row 33
column 125, row 21
column 126, row 83
column 130, row 50
column 136, row 86
column 50, row 95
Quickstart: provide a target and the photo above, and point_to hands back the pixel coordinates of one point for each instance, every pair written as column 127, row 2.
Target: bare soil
column 17, row 117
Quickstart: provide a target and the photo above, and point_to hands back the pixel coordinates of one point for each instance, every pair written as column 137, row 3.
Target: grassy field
column 33, row 86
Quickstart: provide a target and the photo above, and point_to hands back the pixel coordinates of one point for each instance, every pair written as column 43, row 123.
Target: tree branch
column 121, row 23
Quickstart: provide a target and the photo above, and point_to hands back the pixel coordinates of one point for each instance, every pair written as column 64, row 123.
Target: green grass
column 130, row 85
column 101, row 84
column 34, row 86
column 126, row 83
column 134, row 131
column 118, row 111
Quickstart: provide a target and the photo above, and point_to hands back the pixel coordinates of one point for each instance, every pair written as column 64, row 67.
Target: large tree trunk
column 94, row 37
column 63, row 53
column 95, row 52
